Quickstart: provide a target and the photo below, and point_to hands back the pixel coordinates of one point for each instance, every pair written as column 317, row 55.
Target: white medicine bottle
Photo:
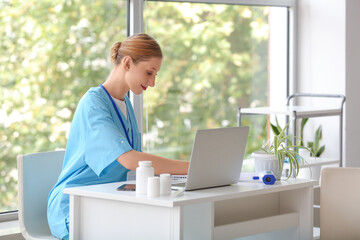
column 165, row 184
column 143, row 172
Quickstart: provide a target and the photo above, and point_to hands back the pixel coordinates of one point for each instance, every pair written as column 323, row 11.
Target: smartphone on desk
column 127, row 187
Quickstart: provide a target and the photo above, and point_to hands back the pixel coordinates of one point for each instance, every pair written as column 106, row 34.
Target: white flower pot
column 267, row 162
column 312, row 172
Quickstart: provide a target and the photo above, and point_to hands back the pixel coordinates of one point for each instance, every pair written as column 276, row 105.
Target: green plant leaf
column 294, row 154
column 303, row 123
column 277, row 123
column 266, row 150
column 275, row 145
column 320, row 133
column 321, row 150
column 317, row 139
column 274, row 129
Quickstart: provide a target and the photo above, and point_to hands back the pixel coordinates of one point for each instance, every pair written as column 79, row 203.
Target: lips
column 144, row 88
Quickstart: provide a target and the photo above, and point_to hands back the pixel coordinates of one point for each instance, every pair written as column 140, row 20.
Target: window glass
column 52, row 52
column 218, row 57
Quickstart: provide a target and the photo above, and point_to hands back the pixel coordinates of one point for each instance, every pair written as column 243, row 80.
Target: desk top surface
column 241, row 189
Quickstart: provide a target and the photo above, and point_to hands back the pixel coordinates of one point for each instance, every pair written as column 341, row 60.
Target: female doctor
column 104, row 140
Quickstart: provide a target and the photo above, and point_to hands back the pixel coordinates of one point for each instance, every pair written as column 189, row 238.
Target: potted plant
column 273, row 155
column 316, row 151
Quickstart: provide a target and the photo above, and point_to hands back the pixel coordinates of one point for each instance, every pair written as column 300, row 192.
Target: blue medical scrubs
column 97, row 138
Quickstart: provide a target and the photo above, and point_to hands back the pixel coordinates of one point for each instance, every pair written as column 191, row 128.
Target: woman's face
column 142, row 75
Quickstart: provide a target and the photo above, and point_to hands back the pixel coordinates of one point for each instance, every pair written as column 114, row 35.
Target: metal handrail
column 316, row 95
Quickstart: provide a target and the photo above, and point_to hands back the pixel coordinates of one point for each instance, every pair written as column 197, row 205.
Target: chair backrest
column 37, row 174
column 340, row 203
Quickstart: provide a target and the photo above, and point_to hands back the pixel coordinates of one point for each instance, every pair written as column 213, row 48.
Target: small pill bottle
column 165, row 184
column 153, row 187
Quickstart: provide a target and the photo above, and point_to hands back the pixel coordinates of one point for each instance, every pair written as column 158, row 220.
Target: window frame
column 9, row 216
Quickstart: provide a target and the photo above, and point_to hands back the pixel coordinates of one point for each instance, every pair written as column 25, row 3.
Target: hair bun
column 140, row 47
column 114, row 52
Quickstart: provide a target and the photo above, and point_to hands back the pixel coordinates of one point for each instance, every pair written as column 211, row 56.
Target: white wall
column 321, row 62
column 352, row 82
column 321, row 46
column 328, row 50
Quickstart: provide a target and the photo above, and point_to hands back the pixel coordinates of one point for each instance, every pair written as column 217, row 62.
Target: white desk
column 242, row 210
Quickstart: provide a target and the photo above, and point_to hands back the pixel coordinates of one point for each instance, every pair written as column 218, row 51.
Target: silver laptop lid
column 217, row 157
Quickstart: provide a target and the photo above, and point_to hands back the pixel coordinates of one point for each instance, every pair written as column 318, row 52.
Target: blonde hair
column 140, row 47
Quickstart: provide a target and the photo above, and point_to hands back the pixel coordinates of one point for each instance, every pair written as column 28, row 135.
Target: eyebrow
column 154, row 68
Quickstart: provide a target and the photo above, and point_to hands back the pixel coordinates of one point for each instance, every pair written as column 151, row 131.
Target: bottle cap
column 153, row 180
column 165, row 176
column 145, row 163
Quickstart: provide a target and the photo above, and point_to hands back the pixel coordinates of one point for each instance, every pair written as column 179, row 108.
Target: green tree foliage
column 215, row 61
column 52, row 51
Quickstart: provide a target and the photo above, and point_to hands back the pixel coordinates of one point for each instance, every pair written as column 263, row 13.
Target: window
column 52, row 52
column 218, row 57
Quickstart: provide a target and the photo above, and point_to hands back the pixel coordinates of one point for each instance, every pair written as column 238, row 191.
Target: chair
column 340, row 203
column 37, row 174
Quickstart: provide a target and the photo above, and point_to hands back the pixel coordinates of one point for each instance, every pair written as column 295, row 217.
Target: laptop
column 216, row 158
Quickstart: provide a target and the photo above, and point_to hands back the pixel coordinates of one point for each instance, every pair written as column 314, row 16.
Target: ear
column 127, row 62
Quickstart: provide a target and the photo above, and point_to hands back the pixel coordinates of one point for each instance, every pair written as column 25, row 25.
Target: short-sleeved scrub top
column 97, row 138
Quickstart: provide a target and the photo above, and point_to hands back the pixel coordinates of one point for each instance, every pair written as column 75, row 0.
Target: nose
column 151, row 82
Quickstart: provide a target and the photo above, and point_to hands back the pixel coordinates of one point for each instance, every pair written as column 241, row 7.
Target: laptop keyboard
column 181, row 184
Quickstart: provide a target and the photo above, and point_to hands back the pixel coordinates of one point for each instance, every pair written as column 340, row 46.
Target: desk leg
column 193, row 222
column 177, row 226
column 74, row 211
column 301, row 201
column 199, row 221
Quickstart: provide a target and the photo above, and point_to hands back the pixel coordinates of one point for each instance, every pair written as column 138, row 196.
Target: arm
column 161, row 165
